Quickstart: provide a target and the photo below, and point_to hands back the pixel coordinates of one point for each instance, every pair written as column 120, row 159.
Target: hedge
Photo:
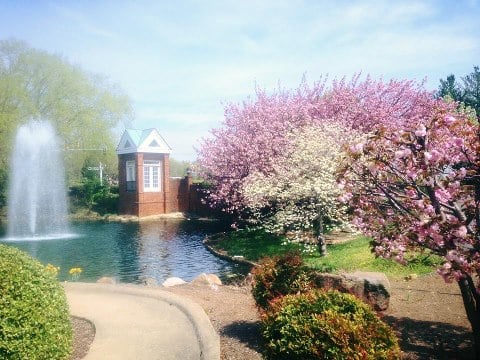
column 34, row 316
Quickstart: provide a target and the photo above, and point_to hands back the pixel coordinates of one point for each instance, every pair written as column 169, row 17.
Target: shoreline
column 93, row 216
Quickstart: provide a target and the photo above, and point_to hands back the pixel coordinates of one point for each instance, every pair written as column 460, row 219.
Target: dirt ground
column 430, row 319
column 427, row 314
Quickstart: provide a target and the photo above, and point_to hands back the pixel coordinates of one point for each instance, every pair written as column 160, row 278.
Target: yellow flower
column 75, row 271
column 52, row 270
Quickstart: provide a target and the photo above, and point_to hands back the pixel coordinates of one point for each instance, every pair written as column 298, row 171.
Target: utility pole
column 100, row 166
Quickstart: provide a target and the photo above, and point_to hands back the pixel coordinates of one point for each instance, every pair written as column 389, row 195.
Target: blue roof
column 133, row 140
column 138, row 136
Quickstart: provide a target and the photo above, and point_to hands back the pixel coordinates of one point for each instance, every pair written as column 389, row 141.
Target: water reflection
column 132, row 252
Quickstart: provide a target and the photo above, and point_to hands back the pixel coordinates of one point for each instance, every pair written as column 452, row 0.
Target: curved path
column 135, row 322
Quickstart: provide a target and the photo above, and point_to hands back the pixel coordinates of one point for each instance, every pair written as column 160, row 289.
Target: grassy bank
column 353, row 255
column 251, row 244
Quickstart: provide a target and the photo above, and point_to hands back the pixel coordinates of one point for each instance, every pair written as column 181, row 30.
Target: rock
column 173, row 281
column 376, row 288
column 372, row 287
column 214, row 279
column 203, row 279
column 149, row 282
column 106, row 280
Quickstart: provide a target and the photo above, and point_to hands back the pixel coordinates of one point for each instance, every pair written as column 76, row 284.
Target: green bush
column 279, row 276
column 93, row 196
column 34, row 317
column 106, row 200
column 326, row 325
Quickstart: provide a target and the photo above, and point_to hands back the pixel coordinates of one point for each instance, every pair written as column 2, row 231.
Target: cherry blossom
column 255, row 133
column 426, row 198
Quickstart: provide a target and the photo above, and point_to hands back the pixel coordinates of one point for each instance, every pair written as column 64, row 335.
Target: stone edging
column 209, row 244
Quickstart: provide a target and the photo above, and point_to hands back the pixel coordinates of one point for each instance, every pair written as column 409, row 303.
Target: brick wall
column 137, row 201
column 128, row 199
column 176, row 195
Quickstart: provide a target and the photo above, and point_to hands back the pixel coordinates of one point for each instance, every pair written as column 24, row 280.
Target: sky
column 181, row 62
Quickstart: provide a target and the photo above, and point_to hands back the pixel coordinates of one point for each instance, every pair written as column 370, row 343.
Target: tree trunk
column 471, row 301
column 321, row 243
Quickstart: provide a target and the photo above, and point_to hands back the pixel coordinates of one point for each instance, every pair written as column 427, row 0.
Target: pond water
column 132, row 252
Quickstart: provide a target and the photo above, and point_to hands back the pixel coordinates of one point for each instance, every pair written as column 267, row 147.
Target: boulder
column 106, row 280
column 173, row 281
column 206, row 280
column 372, row 287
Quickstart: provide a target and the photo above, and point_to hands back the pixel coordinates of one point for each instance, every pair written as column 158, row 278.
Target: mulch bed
column 427, row 314
column 83, row 335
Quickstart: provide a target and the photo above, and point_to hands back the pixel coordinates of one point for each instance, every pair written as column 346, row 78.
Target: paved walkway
column 136, row 322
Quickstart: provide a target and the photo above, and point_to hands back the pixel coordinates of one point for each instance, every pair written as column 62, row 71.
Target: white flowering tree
column 301, row 190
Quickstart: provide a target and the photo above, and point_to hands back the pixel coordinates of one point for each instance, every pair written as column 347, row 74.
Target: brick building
column 143, row 173
column 145, row 185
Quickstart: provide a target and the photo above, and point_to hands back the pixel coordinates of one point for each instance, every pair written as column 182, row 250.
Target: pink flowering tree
column 417, row 187
column 254, row 134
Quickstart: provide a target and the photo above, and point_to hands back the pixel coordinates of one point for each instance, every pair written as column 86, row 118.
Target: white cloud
column 179, row 61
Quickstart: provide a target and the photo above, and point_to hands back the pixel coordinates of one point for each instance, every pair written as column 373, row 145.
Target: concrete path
column 136, row 322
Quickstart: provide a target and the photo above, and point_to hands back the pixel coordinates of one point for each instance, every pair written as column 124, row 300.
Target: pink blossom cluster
column 255, row 133
column 417, row 187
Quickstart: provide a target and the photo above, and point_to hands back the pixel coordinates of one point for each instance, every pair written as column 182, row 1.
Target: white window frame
column 152, row 176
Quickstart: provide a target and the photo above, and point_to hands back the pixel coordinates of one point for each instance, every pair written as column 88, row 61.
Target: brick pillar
column 139, row 178
column 128, row 199
column 166, row 183
column 188, row 192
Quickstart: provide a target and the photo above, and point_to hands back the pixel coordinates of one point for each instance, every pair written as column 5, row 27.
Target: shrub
column 106, row 200
column 326, row 325
column 279, row 276
column 90, row 194
column 35, row 322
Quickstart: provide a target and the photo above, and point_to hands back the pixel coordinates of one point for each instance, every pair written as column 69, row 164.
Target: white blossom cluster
column 302, row 185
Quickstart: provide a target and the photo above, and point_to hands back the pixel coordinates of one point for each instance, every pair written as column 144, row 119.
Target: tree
column 84, row 108
column 417, row 188
column 301, row 192
column 451, row 88
column 471, row 85
column 252, row 137
column 254, row 133
column 179, row 168
column 466, row 93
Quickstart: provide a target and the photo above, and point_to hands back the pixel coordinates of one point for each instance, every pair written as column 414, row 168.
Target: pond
column 133, row 252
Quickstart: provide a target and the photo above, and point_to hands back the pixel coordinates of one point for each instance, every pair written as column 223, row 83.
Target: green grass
column 252, row 244
column 354, row 255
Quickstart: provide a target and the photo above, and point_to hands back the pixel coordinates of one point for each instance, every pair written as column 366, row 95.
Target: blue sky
column 181, row 61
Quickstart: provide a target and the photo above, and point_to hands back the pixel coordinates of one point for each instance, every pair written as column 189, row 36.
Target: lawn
column 356, row 255
column 251, row 244
column 348, row 256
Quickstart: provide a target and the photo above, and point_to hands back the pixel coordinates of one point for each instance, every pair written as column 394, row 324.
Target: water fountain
column 128, row 252
column 37, row 203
